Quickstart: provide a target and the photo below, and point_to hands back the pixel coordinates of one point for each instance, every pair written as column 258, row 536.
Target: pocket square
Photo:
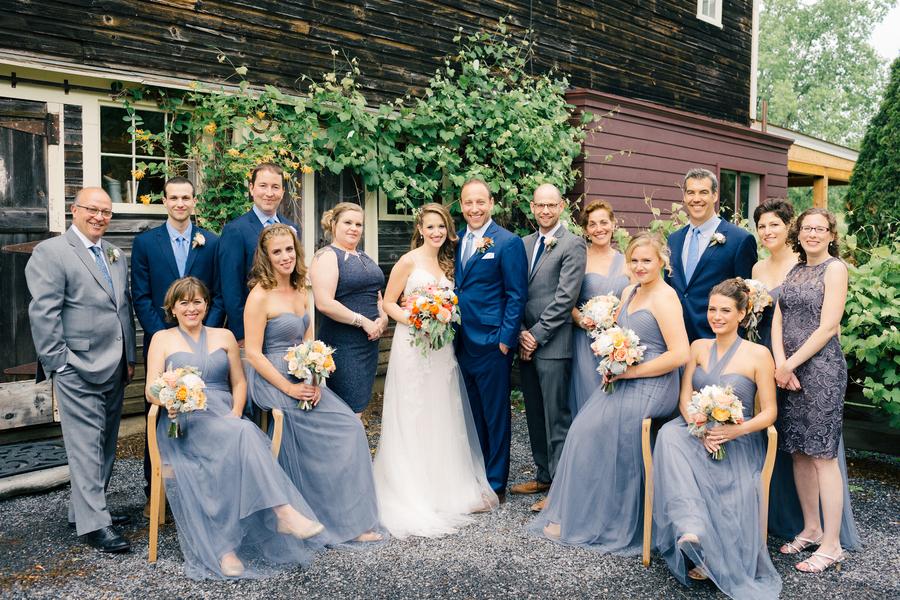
column 487, row 256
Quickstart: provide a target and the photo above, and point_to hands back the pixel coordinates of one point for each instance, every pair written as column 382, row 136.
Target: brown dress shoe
column 529, row 487
column 539, row 505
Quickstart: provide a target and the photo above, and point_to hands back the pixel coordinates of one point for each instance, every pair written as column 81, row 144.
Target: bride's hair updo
column 734, row 288
column 331, row 216
column 186, row 288
column 263, row 272
column 447, row 249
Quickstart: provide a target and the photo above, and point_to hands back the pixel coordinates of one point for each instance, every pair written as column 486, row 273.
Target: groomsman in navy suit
column 240, row 237
column 705, row 252
column 160, row 256
column 492, row 285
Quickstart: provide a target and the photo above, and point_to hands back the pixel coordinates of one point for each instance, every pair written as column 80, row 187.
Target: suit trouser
column 487, row 385
column 89, row 415
column 545, row 385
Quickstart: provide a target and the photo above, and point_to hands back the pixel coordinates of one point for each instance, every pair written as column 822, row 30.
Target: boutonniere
column 198, row 240
column 484, row 244
column 112, row 254
column 718, row 239
column 549, row 242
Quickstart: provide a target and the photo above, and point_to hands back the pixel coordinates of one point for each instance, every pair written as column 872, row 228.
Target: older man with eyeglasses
column 83, row 332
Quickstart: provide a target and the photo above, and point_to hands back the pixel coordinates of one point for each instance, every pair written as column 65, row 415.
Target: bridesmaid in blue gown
column 596, row 498
column 706, row 513
column 604, row 274
column 324, row 450
column 236, row 511
column 773, row 219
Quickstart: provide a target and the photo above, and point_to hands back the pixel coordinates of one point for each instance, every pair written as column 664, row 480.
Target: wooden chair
column 765, row 479
column 159, row 472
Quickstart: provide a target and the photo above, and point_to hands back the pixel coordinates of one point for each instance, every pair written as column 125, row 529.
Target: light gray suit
column 79, row 323
column 553, row 286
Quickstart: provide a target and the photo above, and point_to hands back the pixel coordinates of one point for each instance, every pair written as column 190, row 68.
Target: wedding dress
column 429, row 470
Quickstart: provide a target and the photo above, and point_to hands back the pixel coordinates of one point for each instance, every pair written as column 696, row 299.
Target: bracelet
column 357, row 320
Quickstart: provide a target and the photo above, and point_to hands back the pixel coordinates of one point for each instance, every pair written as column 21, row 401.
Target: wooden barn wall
column 657, row 51
column 644, row 151
column 74, row 159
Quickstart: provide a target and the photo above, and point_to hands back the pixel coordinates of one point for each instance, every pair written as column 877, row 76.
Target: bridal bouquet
column 180, row 390
column 310, row 362
column 711, row 406
column 599, row 314
column 617, row 349
column 432, row 313
column 759, row 301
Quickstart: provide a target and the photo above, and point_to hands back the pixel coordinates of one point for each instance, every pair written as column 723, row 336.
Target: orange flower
column 434, row 309
column 181, row 394
column 619, row 354
column 415, row 310
column 721, row 414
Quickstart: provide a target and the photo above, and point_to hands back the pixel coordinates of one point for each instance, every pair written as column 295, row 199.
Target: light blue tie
column 469, row 248
column 181, row 254
column 693, row 255
column 101, row 264
column 270, row 221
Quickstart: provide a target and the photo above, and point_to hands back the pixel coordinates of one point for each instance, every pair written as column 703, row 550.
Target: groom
column 492, row 285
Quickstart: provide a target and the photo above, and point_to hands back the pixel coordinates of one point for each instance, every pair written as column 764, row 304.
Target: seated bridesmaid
column 596, row 497
column 324, row 450
column 706, row 512
column 235, row 509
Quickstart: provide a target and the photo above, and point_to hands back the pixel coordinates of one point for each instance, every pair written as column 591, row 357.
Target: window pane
column 116, row 171
column 114, row 136
column 331, row 189
column 150, row 184
column 152, row 122
column 728, row 186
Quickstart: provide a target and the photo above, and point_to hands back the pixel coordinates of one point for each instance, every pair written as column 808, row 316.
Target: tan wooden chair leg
column 648, row 490
column 277, row 431
column 765, row 480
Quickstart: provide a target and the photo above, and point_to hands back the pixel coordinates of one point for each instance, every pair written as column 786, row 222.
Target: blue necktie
column 270, row 221
column 537, row 254
column 101, row 264
column 468, row 248
column 693, row 255
column 181, row 254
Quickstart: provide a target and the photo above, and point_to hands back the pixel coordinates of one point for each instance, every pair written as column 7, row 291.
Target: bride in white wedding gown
column 429, row 470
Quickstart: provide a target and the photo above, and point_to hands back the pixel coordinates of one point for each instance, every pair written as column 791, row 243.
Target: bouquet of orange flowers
column 432, row 313
column 312, row 363
column 180, row 390
column 711, row 406
column 618, row 349
column 759, row 301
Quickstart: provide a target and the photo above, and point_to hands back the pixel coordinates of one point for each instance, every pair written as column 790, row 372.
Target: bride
column 429, row 470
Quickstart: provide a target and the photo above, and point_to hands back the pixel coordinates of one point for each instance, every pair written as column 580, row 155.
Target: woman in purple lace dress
column 811, row 367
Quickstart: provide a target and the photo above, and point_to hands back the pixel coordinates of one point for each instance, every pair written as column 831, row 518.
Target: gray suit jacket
column 76, row 319
column 553, row 288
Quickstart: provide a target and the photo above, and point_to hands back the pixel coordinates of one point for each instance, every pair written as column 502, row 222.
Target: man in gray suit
column 556, row 268
column 81, row 323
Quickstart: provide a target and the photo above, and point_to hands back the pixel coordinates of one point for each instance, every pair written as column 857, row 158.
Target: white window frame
column 385, row 214
column 717, row 8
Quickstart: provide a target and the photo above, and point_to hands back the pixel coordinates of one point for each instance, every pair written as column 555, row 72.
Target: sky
column 886, row 37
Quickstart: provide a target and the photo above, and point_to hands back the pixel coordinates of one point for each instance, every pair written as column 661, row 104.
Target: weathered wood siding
column 654, row 50
column 660, row 146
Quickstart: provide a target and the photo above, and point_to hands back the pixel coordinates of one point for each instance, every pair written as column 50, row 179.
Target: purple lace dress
column 812, row 417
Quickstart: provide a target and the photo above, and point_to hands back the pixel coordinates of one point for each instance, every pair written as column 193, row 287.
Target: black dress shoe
column 106, row 540
column 116, row 520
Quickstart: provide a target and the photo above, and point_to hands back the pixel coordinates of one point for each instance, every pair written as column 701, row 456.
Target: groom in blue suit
column 705, row 252
column 492, row 285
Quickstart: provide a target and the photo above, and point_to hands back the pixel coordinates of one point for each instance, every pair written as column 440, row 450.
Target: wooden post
column 820, row 191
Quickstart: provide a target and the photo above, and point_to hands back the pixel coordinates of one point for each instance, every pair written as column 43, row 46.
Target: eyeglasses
column 544, row 206
column 820, row 230
column 105, row 213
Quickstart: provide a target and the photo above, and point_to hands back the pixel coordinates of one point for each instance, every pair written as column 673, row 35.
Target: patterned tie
column 693, row 255
column 181, row 254
column 537, row 254
column 469, row 248
column 101, row 264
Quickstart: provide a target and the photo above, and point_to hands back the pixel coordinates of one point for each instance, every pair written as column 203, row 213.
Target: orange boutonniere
column 484, row 244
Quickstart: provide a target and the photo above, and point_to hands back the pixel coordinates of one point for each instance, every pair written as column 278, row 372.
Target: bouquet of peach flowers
column 759, row 301
column 599, row 314
column 432, row 313
column 181, row 391
column 617, row 348
column 712, row 406
column 311, row 362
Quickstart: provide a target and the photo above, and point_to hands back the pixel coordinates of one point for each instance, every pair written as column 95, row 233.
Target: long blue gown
column 597, row 495
column 785, row 516
column 585, row 378
column 323, row 450
column 718, row 501
column 223, row 481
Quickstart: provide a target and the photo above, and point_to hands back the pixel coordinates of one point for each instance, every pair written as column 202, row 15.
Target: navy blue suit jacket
column 153, row 269
column 734, row 258
column 492, row 291
column 237, row 246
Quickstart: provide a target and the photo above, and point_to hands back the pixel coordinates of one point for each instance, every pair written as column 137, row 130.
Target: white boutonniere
column 112, row 254
column 718, row 239
column 549, row 242
column 198, row 240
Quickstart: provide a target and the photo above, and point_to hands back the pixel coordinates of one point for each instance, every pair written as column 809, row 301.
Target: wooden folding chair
column 159, row 472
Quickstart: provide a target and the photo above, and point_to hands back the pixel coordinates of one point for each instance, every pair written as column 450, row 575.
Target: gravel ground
column 40, row 556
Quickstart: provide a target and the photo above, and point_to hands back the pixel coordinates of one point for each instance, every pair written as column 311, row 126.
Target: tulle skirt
column 585, row 378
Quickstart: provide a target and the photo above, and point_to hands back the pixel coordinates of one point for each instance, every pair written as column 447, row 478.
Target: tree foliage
column 817, row 69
